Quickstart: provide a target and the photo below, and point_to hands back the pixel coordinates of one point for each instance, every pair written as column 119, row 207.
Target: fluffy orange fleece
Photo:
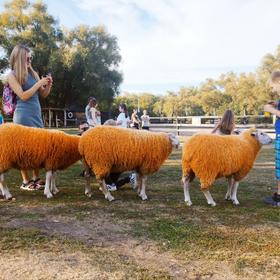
column 213, row 156
column 24, row 147
column 112, row 149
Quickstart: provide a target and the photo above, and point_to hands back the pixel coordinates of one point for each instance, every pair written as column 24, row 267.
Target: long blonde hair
column 18, row 59
column 226, row 124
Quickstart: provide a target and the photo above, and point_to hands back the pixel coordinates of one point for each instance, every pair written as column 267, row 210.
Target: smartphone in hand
column 49, row 74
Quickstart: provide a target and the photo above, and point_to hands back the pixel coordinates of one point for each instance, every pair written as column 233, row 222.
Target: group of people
column 28, row 87
column 93, row 116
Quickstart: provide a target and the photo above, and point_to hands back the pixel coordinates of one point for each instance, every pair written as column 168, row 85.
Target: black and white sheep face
column 174, row 140
column 262, row 137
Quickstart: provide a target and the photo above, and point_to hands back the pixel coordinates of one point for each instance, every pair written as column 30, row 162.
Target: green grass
column 132, row 239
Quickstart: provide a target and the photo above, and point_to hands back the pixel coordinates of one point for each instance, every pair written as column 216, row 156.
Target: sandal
column 39, row 184
column 29, row 186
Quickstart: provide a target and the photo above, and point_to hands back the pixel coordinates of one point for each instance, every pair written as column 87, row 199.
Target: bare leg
column 47, row 191
column 234, row 194
column 4, row 189
column 140, row 178
column 230, row 187
column 106, row 193
column 186, row 182
column 35, row 174
column 209, row 197
column 142, row 193
column 25, row 176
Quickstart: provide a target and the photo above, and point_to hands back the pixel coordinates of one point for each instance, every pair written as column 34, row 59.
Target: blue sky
column 166, row 44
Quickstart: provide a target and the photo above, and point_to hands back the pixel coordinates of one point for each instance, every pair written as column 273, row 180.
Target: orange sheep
column 108, row 149
column 210, row 156
column 34, row 148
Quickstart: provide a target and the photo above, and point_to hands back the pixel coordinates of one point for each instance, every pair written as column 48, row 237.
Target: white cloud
column 175, row 41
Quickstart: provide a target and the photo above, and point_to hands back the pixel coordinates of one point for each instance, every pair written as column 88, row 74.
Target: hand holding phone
column 49, row 77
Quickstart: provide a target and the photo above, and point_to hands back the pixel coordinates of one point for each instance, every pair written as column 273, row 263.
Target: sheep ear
column 237, row 132
column 254, row 133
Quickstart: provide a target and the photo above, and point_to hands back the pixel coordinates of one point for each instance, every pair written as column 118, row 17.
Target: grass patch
column 155, row 239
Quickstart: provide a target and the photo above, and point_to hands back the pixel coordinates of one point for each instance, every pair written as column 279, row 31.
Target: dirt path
column 105, row 234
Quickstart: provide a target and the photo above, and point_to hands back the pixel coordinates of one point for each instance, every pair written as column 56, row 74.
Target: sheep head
column 174, row 140
column 261, row 137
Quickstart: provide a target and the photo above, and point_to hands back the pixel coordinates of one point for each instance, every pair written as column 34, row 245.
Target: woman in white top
column 95, row 114
column 123, row 119
column 145, row 120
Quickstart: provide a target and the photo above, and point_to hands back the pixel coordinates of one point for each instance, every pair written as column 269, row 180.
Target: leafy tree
column 31, row 25
column 188, row 102
column 170, row 108
column 84, row 61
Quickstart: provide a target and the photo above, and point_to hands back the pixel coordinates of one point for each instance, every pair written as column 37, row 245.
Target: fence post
column 177, row 126
column 65, row 117
column 50, row 119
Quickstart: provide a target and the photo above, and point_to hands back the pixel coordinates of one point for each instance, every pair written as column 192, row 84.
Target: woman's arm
column 216, row 128
column 17, row 89
column 44, row 90
column 270, row 108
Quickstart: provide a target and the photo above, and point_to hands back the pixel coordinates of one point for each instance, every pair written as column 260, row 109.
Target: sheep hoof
column 188, row 202
column 8, row 196
column 228, row 198
column 213, row 204
column 49, row 195
column 88, row 194
column 109, row 197
column 56, row 191
column 143, row 197
column 235, row 202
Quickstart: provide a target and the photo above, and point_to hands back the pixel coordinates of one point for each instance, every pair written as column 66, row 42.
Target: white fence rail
column 189, row 125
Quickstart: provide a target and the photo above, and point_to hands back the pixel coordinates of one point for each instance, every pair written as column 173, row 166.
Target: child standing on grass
column 274, row 108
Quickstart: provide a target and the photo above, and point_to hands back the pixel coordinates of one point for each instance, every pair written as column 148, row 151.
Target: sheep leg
column 209, row 197
column 186, row 182
column 4, row 189
column 47, row 191
column 230, row 187
column 140, row 178
column 54, row 189
column 106, row 193
column 234, row 193
column 88, row 190
column 142, row 193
